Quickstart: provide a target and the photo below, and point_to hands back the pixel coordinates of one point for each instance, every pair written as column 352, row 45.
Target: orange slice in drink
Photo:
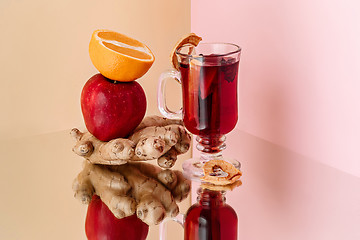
column 202, row 78
column 119, row 57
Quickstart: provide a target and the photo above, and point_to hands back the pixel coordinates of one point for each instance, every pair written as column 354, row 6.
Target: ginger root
column 110, row 186
column 156, row 138
column 172, row 135
column 157, row 121
column 115, row 152
column 135, row 187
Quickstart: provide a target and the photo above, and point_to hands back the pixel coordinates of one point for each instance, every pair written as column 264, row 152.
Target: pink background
column 299, row 114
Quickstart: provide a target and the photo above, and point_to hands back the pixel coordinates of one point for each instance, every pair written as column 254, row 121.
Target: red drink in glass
column 210, row 95
column 211, row 218
column 208, row 74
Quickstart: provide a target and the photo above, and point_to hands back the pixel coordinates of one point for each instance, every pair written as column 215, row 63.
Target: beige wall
column 44, row 55
column 44, row 64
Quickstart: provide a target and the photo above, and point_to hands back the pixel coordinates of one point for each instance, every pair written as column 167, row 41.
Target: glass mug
column 209, row 219
column 208, row 74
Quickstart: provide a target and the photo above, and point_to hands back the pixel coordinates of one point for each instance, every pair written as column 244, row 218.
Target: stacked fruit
column 112, row 102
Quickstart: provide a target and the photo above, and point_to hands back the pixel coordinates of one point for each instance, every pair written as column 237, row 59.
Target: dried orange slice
column 192, row 39
column 220, row 172
column 119, row 57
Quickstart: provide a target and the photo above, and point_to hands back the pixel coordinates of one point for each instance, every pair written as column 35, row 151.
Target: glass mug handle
column 164, row 110
column 162, row 228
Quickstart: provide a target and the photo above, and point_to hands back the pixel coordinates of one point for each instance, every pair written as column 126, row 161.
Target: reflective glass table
column 283, row 194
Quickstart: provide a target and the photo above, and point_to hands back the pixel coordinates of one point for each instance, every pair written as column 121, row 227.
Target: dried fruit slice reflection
column 228, row 187
column 220, row 172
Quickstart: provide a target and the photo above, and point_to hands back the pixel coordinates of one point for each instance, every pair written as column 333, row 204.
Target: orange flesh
column 127, row 51
column 119, row 38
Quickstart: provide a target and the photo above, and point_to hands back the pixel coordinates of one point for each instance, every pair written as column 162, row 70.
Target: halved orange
column 119, row 57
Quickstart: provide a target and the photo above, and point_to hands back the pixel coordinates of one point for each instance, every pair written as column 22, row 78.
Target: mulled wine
column 210, row 95
column 208, row 74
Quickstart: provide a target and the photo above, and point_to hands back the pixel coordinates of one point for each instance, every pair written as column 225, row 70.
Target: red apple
column 112, row 109
column 101, row 224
